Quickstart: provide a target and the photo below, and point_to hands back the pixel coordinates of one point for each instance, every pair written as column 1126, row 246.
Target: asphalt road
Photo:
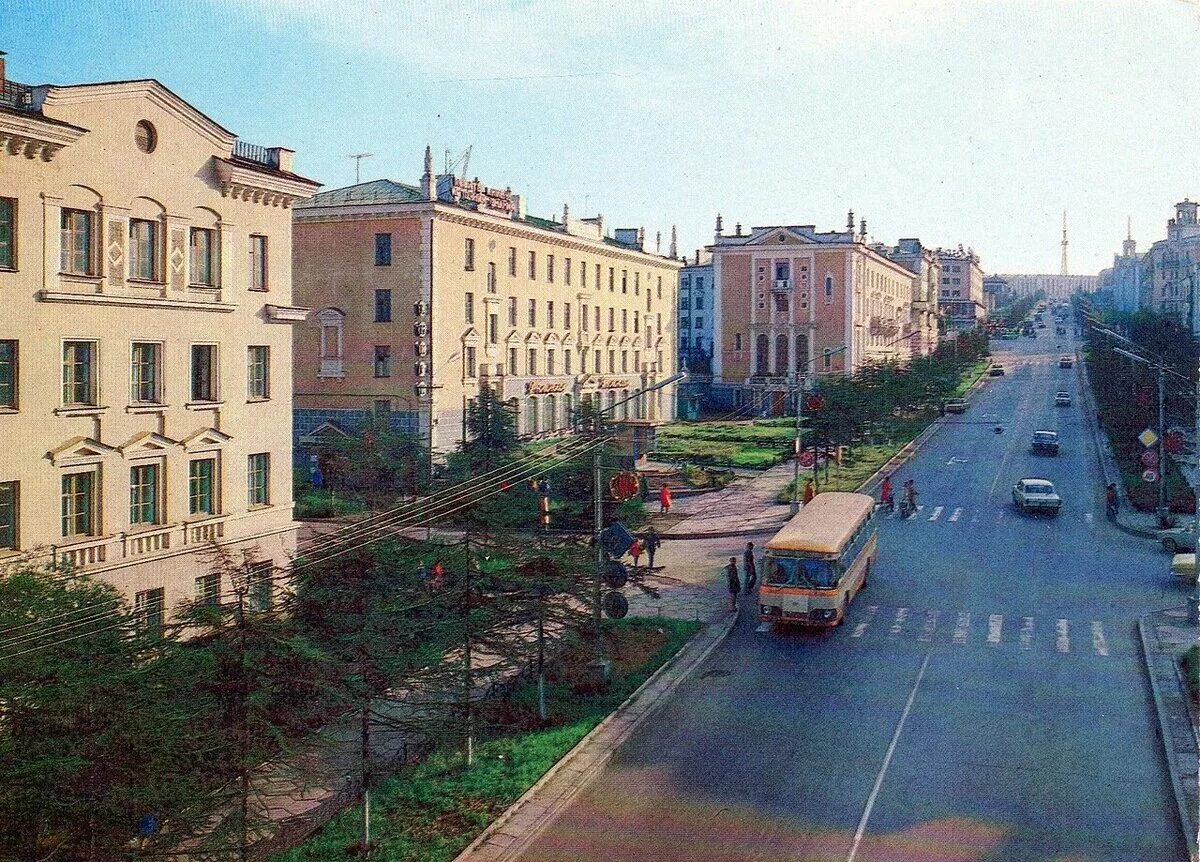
column 985, row 699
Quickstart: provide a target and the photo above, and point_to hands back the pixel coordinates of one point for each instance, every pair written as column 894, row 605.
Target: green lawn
column 756, row 444
column 855, row 470
column 431, row 811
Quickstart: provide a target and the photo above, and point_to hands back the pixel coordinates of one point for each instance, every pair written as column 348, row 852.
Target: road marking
column 1089, row 517
column 956, row 514
column 763, row 627
column 1099, row 644
column 975, row 519
column 931, row 621
column 862, row 627
column 937, row 511
column 887, row 759
column 1026, row 632
column 898, row 625
column 1062, row 643
column 995, row 624
column 960, row 628
column 917, row 512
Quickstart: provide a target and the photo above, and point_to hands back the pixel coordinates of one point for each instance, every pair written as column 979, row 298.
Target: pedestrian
column 885, row 494
column 735, row 584
column 438, row 574
column 749, row 568
column 635, row 551
column 664, row 500
column 651, row 543
column 809, row 493
column 1110, row 500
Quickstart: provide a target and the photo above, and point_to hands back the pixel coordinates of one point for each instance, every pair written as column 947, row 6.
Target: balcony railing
column 148, row 542
column 14, row 95
column 255, row 153
column 782, row 284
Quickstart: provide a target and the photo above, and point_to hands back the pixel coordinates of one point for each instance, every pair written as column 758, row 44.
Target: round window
column 145, row 136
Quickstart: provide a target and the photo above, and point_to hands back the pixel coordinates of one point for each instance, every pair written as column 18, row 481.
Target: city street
column 985, row 699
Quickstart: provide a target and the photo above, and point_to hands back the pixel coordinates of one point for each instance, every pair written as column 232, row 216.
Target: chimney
column 427, row 187
column 600, row 224
column 1, row 69
column 738, row 229
column 863, row 228
column 720, row 225
column 674, row 249
column 850, row 222
column 566, row 215
column 641, row 239
column 281, row 157
column 658, row 242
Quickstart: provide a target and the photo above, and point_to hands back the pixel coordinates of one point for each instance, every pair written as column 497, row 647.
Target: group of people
column 647, row 544
column 733, row 579
column 908, row 502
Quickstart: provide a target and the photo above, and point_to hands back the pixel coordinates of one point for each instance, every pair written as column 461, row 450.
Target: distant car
column 1036, row 495
column 1178, row 539
column 956, row 405
column 1045, row 443
column 1062, row 398
column 1066, row 362
column 996, row 371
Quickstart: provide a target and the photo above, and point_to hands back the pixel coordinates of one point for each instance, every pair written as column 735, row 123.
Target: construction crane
column 464, row 159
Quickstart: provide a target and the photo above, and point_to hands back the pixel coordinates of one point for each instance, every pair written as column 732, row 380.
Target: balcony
column 17, row 96
column 781, row 284
column 266, row 156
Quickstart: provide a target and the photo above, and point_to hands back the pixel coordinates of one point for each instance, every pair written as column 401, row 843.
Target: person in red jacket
column 664, row 500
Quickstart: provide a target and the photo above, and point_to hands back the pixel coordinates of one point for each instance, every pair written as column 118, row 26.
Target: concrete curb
column 1186, row 821
column 681, row 665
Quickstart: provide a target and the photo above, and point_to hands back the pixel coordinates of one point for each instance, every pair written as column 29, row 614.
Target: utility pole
column 1194, row 599
column 1162, row 464
column 797, row 378
column 597, row 528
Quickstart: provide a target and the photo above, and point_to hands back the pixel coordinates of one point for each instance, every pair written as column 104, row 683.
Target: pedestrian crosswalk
column 997, row 513
column 936, row 627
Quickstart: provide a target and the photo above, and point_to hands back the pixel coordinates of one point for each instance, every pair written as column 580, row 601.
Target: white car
column 1036, row 495
column 1178, row 539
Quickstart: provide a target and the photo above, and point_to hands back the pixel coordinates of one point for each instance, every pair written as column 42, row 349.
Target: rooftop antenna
column 464, row 159
column 358, row 157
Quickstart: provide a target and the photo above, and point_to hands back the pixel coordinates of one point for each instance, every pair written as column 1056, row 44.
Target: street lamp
column 798, row 377
column 1162, row 473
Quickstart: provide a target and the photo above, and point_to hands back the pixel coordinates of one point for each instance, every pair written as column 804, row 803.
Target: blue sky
column 956, row 122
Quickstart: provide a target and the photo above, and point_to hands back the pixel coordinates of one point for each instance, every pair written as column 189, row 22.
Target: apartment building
column 926, row 267
column 697, row 298
column 145, row 345
column 423, row 295
column 794, row 299
column 960, row 295
column 1169, row 275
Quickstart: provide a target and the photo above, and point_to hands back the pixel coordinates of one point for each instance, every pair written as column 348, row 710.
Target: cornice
column 133, row 301
column 247, row 184
column 32, row 137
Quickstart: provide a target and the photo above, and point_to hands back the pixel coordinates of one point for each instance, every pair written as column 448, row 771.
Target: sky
column 956, row 122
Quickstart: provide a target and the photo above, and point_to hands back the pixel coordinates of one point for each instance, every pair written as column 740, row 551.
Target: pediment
column 569, row 340
column 624, row 342
column 513, row 338
column 205, row 439
column 147, row 443
column 777, row 236
column 611, row 341
column 637, row 343
column 552, row 339
column 324, row 433
column 79, row 450
column 471, row 336
column 533, row 338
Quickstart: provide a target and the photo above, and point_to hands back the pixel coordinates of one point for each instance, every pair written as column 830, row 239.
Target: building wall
column 176, row 187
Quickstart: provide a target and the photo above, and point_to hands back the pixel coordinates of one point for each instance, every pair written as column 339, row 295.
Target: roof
column 373, row 192
column 825, row 524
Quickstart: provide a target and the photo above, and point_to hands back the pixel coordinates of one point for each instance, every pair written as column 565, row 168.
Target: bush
column 318, row 503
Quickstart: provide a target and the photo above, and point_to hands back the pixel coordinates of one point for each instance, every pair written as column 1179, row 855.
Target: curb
column 1164, row 736
column 673, row 664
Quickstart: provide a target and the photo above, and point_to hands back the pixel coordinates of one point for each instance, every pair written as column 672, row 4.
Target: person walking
column 664, row 500
column 748, row 567
column 885, row 494
column 734, row 583
column 1110, row 500
column 635, row 551
column 651, row 543
column 809, row 493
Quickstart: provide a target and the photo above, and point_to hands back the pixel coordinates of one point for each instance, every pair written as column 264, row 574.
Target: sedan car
column 956, row 405
column 1036, row 495
column 1062, row 398
column 1178, row 539
column 1066, row 362
column 1045, row 443
column 996, row 371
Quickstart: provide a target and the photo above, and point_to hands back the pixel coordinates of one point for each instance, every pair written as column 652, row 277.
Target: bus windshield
column 802, row 572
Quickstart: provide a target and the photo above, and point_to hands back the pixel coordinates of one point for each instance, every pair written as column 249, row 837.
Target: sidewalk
column 1166, row 635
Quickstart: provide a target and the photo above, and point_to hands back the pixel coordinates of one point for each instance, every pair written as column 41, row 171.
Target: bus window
column 802, row 572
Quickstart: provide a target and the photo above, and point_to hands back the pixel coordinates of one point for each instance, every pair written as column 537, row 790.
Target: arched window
column 801, row 352
column 781, row 353
column 531, row 415
column 763, row 351
column 332, row 323
column 550, row 411
column 829, row 288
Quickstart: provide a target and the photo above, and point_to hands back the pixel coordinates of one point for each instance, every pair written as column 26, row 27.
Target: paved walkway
column 746, row 506
column 1166, row 635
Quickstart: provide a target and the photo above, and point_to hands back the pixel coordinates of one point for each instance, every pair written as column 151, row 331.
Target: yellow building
column 145, row 345
column 423, row 295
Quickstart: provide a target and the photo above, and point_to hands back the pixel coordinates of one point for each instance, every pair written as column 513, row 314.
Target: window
column 383, row 406
column 550, row 361
column 596, row 360
column 597, row 315
column 9, row 385
column 567, row 271
column 660, row 287
column 827, row 359
column 259, row 583
column 567, row 361
column 491, row 278
column 699, row 323
column 79, row 374
column 512, row 361
column 533, row 265
column 829, row 288
column 143, row 494
column 550, row 313
column 612, row 279
column 533, row 312
column 612, row 320
column 8, row 233
column 383, row 306
column 493, row 329
column 469, row 307
column 550, row 268
column 612, row 361
column 145, row 373
column 208, row 589
column 624, row 320
column 597, row 276
column 781, row 302
column 637, row 284
column 9, row 502
column 145, row 136
column 512, row 311
column 624, row 361
column 77, row 229
column 532, row 369
column 783, row 271
column 512, row 260
column 258, row 476
column 583, row 273
column 78, row 504
column 566, row 315
column 383, row 361
column 637, row 360
column 203, row 246
column 624, row 281
column 383, row 249
column 737, row 341
column 637, row 323
column 470, row 361
column 143, row 249
column 700, row 300
column 204, row 372
column 202, row 474
column 258, row 262
column 469, row 254
column 148, row 606
column 583, row 316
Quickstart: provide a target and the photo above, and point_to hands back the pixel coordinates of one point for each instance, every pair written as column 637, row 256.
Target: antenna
column 358, row 157
column 464, row 159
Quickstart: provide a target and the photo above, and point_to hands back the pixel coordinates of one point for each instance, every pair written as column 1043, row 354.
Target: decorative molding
column 78, row 452
column 146, row 443
column 204, row 440
column 133, row 301
column 267, row 188
column 34, row 138
column 286, row 313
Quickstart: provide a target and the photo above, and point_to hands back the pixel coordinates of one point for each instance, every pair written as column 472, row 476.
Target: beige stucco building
column 926, row 267
column 960, row 296
column 145, row 345
column 423, row 295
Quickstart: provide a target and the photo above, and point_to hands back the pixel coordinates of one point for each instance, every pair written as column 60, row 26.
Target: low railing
column 255, row 153
column 14, row 95
column 146, row 542
column 81, row 554
column 204, row 531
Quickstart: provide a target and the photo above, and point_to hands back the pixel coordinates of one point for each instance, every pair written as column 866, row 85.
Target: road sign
column 807, row 459
column 623, row 486
column 1150, row 458
column 1172, row 442
column 615, row 574
column 1148, row 438
column 615, row 605
column 1150, row 476
column 814, row 403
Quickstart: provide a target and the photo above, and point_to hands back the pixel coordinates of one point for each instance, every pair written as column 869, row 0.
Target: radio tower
column 1064, row 244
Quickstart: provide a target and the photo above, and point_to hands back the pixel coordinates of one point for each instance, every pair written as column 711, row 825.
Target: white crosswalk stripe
column 1089, row 518
column 955, row 515
column 936, row 513
column 861, row 627
column 898, row 624
column 960, row 628
column 1026, row 632
column 1062, row 643
column 931, row 621
column 1099, row 643
column 995, row 625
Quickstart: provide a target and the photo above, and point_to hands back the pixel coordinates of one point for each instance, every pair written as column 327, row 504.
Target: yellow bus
column 819, row 561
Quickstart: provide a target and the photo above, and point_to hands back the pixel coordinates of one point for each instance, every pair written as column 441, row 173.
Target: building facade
column 996, row 293
column 1169, row 268
column 797, row 301
column 145, row 348
column 1122, row 284
column 926, row 267
column 696, row 307
column 1057, row 288
column 424, row 295
column 960, row 294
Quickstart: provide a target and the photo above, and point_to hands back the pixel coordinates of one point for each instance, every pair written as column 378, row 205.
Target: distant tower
column 1064, row 245
column 1129, row 247
column 427, row 183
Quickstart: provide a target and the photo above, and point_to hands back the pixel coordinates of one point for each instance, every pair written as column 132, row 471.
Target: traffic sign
column 1148, row 438
column 1150, row 476
column 814, row 403
column 1150, row 458
column 1173, row 442
column 615, row 605
column 807, row 459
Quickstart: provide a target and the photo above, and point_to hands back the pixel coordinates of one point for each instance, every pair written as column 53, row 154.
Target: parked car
column 1036, row 495
column 1183, row 566
column 996, row 371
column 1062, row 398
column 1066, row 361
column 956, row 405
column 1178, row 539
column 1045, row 443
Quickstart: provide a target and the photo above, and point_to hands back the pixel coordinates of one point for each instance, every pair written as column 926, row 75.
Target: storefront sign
column 545, row 387
column 614, row 383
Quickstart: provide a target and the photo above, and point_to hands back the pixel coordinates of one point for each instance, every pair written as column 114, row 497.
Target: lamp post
column 798, row 378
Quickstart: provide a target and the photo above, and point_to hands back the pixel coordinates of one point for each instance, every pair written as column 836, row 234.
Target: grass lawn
column 971, row 375
column 1191, row 672
column 431, row 811
column 755, row 444
column 853, row 472
column 322, row 503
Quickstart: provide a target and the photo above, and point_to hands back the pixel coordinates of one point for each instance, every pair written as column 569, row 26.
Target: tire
column 1170, row 545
